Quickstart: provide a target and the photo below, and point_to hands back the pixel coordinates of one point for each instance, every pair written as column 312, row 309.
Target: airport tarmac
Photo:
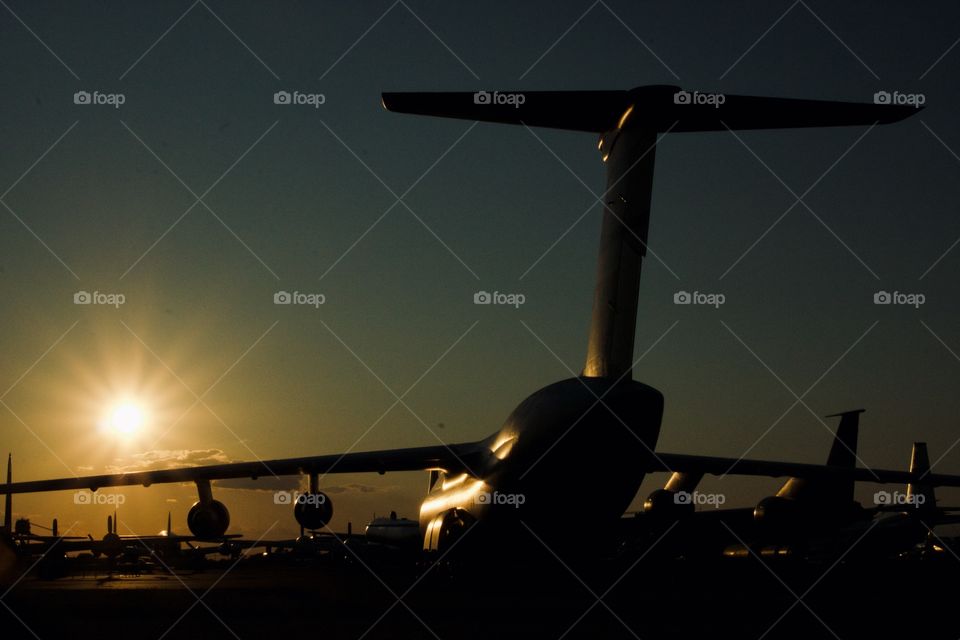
column 734, row 598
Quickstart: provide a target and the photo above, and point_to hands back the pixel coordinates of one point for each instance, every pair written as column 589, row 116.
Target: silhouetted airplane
column 801, row 508
column 899, row 524
column 578, row 448
column 393, row 532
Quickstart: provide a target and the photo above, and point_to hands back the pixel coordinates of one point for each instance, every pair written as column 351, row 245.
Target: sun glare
column 126, row 419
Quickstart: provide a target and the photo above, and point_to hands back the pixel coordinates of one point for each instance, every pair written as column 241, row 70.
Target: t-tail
column 630, row 124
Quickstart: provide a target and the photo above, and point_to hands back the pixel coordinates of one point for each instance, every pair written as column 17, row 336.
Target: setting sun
column 125, row 419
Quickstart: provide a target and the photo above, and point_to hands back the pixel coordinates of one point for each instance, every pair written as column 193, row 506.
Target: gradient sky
column 297, row 197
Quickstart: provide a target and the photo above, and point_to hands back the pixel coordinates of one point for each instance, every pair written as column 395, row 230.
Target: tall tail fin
column 843, row 453
column 921, row 494
column 630, row 122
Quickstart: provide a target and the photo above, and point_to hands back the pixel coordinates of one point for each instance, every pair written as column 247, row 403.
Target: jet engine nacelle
column 111, row 546
column 446, row 529
column 778, row 513
column 667, row 505
column 313, row 510
column 208, row 519
column 783, row 515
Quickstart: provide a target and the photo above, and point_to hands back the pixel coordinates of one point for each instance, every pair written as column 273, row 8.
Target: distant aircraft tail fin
column 8, row 499
column 629, row 123
column 843, row 453
column 920, row 494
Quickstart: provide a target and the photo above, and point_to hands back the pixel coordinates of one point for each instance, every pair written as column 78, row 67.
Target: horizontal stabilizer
column 578, row 110
column 655, row 108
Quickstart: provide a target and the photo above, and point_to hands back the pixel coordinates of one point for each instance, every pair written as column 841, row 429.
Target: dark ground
column 735, row 598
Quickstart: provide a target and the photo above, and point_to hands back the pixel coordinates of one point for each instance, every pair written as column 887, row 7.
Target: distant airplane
column 8, row 499
column 54, row 547
column 896, row 526
column 802, row 508
column 576, row 450
column 394, row 532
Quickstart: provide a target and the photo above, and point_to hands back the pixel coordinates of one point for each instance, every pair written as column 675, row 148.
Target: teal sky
column 294, row 199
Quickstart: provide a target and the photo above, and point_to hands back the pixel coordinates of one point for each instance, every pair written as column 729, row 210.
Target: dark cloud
column 356, row 488
column 179, row 458
column 167, row 459
column 268, row 483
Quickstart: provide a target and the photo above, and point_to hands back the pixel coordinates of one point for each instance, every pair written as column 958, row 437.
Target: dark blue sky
column 296, row 203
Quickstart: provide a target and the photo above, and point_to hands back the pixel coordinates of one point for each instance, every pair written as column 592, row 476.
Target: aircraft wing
column 457, row 457
column 461, row 458
column 718, row 466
